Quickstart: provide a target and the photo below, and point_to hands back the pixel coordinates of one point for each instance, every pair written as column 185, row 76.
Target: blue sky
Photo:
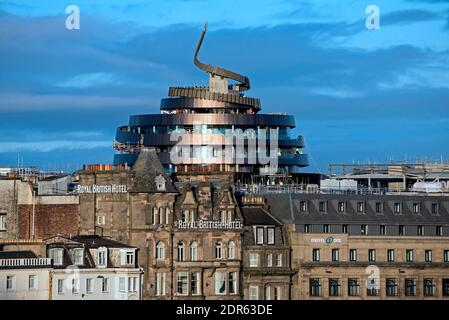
column 357, row 95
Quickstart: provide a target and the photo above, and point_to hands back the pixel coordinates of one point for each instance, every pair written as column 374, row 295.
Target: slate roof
column 286, row 208
column 146, row 169
column 25, row 254
column 258, row 216
column 95, row 241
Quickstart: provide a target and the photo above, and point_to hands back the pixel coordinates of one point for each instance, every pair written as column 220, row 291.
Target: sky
column 358, row 95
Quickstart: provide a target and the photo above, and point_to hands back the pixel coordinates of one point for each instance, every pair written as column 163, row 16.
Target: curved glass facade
column 213, row 129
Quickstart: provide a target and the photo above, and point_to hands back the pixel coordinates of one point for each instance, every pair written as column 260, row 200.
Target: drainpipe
column 33, row 234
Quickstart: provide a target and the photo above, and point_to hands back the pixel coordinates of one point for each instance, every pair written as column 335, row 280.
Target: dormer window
column 56, row 255
column 77, row 256
column 127, row 257
column 102, row 257
column 160, row 183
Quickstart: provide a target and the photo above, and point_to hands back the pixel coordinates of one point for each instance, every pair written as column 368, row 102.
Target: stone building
column 266, row 253
column 367, row 247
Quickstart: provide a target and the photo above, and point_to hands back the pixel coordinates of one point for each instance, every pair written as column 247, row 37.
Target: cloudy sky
column 358, row 95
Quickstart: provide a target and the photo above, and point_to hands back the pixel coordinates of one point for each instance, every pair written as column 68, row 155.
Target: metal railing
column 25, row 262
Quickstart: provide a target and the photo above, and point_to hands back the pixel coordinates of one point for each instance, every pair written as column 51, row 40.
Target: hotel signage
column 111, row 188
column 206, row 224
column 328, row 240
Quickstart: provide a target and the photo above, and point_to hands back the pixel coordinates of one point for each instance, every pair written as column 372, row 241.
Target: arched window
column 161, row 215
column 231, row 250
column 218, row 250
column 193, row 251
column 155, row 216
column 160, row 250
column 181, row 251
column 192, row 215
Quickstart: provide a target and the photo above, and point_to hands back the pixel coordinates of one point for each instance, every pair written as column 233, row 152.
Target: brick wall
column 50, row 219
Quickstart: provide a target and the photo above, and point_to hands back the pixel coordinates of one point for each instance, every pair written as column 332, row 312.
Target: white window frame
column 35, row 282
column 279, row 259
column 125, row 254
column 61, row 285
column 220, row 280
column 271, row 235
column 160, row 250
column 254, row 259
column 180, row 276
column 218, row 250
column 267, row 293
column 89, row 285
column 101, row 220
column 102, row 257
column 260, row 235
column 13, row 282
column 253, row 291
column 3, row 222
column 231, row 250
column 75, row 286
column 122, row 284
column 59, row 253
column 233, row 282
column 105, row 285
column 77, row 258
column 194, row 251
column 270, row 260
column 160, row 283
column 197, row 282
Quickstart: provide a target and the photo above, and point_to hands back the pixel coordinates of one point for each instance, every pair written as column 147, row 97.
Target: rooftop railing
column 26, row 262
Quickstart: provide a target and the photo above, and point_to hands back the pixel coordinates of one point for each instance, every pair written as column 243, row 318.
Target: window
column 60, row 286
column 155, row 216
column 270, row 235
column 445, row 288
column 410, row 287
column 277, row 293
column 361, row 207
column 56, row 255
column 182, row 279
column 402, row 230
column 315, row 254
column 446, row 256
column 160, row 250
column 420, row 230
column 194, row 251
column 372, row 286
column 397, row 207
column 167, row 213
column 132, row 284
column 122, row 284
column 417, row 208
column 32, row 282
column 383, row 230
column 435, row 208
column 322, row 206
column 101, row 220
column 218, row 250
column 195, row 283
column 352, row 255
column 353, row 287
column 127, row 257
column 315, row 287
column 429, row 287
column 267, row 293
column 181, row 251
column 379, row 207
column 270, row 260
column 279, row 260
column 233, row 282
column 428, row 255
column 372, row 255
column 77, row 256
column 220, row 282
column 231, row 250
column 2, row 222
column 75, row 286
column 439, row 231
column 102, row 256
column 364, row 229
column 306, row 228
column 326, row 228
column 253, row 293
column 105, row 284
column 335, row 255
column 89, row 288
column 253, row 259
column 344, row 228
column 390, row 255
column 391, row 287
column 334, row 287
column 160, row 283
column 409, row 255
column 161, row 215
column 303, row 206
column 259, row 235
column 341, row 206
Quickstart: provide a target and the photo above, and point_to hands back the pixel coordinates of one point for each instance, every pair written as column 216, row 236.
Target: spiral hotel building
column 205, row 116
